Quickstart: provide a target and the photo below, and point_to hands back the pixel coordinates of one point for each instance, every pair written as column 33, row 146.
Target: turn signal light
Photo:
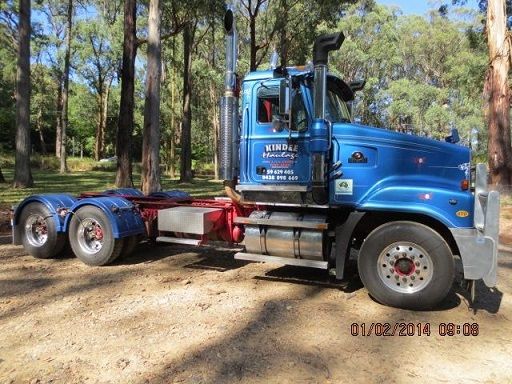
column 464, row 185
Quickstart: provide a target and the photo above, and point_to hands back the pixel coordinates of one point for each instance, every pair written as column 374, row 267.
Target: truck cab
column 367, row 168
column 327, row 188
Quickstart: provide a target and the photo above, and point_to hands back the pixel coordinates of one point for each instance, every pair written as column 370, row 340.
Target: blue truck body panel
column 380, row 169
column 124, row 218
column 54, row 202
column 124, row 191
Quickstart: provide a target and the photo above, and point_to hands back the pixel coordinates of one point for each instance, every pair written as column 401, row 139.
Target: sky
column 420, row 7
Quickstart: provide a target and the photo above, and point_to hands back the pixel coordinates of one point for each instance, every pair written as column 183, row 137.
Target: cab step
column 281, row 260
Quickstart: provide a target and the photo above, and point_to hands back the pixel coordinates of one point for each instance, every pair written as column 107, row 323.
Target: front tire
column 407, row 265
column 91, row 237
column 39, row 234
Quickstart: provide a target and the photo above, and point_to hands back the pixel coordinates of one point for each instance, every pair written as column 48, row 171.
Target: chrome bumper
column 478, row 246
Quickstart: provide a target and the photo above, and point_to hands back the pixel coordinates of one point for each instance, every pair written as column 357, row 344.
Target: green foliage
column 7, row 77
column 423, row 75
column 82, row 116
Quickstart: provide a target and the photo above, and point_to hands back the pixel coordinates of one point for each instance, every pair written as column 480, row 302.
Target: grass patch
column 48, row 181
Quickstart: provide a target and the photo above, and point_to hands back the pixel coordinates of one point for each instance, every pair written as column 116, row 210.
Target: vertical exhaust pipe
column 228, row 135
column 320, row 143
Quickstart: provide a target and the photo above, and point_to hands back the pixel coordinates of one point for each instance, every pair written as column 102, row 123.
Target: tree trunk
column 2, row 178
column 126, row 107
column 216, row 127
column 98, row 148
column 104, row 119
column 499, row 146
column 186, row 126
column 22, row 173
column 39, row 125
column 174, row 122
column 150, row 177
column 254, row 49
column 65, row 89
column 58, row 120
column 283, row 28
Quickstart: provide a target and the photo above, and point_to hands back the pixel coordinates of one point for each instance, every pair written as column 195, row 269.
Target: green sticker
column 344, row 187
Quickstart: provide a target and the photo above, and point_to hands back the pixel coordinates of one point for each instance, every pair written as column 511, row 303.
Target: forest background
column 424, row 74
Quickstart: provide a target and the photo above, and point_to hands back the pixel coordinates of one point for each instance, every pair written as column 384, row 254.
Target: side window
column 299, row 119
column 268, row 104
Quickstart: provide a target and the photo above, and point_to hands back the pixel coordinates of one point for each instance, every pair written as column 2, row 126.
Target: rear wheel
column 407, row 265
column 39, row 234
column 129, row 245
column 91, row 237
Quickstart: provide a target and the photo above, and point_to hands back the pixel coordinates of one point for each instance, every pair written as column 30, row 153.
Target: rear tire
column 407, row 265
column 39, row 234
column 91, row 237
column 129, row 245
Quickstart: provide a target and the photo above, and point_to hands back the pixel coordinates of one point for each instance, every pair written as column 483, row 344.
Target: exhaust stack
column 228, row 135
column 320, row 130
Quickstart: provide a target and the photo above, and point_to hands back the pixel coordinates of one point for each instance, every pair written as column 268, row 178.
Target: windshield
column 335, row 108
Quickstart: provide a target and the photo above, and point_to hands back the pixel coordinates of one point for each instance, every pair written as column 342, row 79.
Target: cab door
column 276, row 154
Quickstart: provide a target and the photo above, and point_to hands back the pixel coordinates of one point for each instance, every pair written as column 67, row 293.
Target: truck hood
column 433, row 153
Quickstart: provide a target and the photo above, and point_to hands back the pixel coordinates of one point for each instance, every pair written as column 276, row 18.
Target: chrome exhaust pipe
column 229, row 136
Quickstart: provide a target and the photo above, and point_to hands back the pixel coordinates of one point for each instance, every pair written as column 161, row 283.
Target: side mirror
column 454, row 137
column 284, row 97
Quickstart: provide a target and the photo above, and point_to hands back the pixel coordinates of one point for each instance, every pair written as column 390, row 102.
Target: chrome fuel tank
column 287, row 234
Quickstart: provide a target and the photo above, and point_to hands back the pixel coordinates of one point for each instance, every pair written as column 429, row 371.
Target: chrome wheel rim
column 405, row 267
column 90, row 236
column 36, row 230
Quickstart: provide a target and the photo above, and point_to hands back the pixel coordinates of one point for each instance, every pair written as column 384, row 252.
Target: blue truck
column 306, row 186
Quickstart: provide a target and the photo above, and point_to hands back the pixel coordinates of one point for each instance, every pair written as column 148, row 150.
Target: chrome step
column 178, row 240
column 281, row 260
column 281, row 223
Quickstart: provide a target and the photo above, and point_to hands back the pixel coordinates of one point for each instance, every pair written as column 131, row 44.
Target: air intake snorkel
column 320, row 143
column 228, row 135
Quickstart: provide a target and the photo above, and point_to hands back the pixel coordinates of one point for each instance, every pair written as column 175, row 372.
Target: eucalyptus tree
column 65, row 86
column 22, row 173
column 193, row 20
column 497, row 92
column 44, row 94
column 98, row 54
column 8, row 63
column 127, row 103
column 54, row 19
column 150, row 178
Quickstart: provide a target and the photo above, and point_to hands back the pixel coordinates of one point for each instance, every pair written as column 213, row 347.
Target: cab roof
column 340, row 85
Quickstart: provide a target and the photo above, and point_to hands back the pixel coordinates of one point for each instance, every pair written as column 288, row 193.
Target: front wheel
column 91, row 237
column 407, row 265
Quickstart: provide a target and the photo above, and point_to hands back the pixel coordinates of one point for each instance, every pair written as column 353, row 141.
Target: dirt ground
column 174, row 314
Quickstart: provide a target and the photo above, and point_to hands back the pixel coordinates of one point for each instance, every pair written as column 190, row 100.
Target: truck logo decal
column 344, row 187
column 281, row 151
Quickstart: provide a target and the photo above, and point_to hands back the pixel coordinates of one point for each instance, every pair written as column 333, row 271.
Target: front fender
column 122, row 214
column 452, row 208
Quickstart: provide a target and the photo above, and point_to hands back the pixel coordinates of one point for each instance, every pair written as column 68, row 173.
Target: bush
column 76, row 164
column 52, row 163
